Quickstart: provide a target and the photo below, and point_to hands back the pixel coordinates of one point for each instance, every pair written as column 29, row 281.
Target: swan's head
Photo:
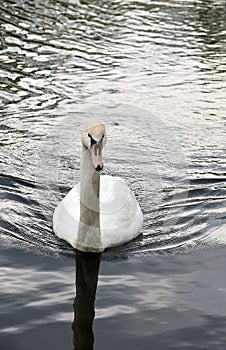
column 94, row 139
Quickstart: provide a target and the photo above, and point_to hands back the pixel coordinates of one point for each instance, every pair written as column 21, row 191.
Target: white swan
column 100, row 211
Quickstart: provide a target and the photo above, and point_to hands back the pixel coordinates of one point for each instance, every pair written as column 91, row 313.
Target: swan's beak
column 96, row 154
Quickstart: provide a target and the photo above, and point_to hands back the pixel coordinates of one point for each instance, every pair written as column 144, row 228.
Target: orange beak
column 96, row 154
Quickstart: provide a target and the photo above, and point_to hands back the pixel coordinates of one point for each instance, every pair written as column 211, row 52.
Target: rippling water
column 154, row 72
column 63, row 62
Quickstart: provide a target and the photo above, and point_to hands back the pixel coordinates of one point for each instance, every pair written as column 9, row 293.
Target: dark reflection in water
column 87, row 269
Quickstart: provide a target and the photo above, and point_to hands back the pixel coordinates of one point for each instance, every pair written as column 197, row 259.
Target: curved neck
column 90, row 184
column 89, row 225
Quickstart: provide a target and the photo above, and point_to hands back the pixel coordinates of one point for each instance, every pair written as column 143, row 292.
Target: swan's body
column 120, row 215
column 100, row 211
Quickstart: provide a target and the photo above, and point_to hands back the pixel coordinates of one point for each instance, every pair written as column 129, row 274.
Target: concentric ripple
column 155, row 73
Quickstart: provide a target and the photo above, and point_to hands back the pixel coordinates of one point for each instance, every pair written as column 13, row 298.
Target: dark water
column 154, row 72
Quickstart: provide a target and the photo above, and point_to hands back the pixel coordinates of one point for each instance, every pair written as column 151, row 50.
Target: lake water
column 154, row 72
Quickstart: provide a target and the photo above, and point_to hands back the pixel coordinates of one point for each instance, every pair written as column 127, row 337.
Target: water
column 154, row 72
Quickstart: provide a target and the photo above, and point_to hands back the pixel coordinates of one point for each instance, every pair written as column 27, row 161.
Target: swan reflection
column 87, row 269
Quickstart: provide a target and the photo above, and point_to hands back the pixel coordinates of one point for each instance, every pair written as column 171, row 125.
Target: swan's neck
column 89, row 226
column 89, row 190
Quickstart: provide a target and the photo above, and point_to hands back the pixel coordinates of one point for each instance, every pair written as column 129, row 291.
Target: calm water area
column 155, row 73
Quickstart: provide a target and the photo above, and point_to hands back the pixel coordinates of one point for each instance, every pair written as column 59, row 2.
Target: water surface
column 155, row 73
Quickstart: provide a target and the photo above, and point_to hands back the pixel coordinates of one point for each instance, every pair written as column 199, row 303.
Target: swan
column 100, row 211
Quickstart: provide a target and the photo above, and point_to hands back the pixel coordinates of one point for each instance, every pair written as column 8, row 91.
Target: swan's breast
column 120, row 215
column 114, row 193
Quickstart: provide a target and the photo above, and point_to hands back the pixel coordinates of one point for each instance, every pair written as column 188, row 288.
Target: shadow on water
column 87, row 269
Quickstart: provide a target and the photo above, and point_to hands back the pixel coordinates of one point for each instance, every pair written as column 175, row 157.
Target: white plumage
column 120, row 215
column 100, row 211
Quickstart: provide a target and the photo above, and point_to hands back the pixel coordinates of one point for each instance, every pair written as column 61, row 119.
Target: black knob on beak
column 99, row 168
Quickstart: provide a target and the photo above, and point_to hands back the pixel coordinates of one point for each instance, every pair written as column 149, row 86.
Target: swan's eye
column 92, row 140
